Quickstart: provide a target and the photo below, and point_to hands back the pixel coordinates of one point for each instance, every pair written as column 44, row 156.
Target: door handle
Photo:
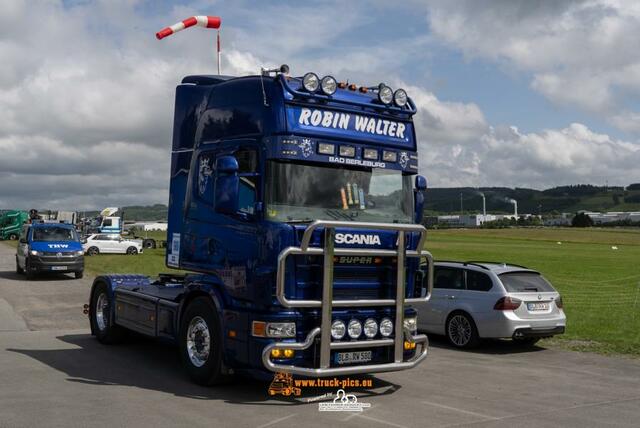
column 451, row 297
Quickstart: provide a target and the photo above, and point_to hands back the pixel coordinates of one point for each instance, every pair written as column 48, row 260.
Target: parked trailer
column 292, row 201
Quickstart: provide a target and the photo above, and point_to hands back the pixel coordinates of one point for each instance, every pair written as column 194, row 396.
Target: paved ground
column 53, row 373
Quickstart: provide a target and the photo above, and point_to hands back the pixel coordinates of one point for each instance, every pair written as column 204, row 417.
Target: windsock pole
column 199, row 21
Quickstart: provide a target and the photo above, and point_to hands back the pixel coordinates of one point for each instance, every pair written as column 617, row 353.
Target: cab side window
column 448, row 278
column 478, row 281
column 248, row 174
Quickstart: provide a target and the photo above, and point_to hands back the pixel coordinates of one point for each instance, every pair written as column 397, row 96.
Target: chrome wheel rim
column 459, row 330
column 102, row 305
column 198, row 341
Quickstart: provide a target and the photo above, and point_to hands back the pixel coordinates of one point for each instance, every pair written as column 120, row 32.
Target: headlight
column 400, row 97
column 370, row 154
column 78, row 253
column 310, row 82
column 386, row 327
column 338, row 329
column 281, row 329
column 347, row 151
column 385, row 94
column 326, row 148
column 370, row 328
column 355, row 329
column 328, row 85
column 389, row 156
column 411, row 324
column 34, row 252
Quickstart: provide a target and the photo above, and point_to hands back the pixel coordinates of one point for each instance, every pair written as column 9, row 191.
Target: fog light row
column 282, row 353
column 355, row 328
column 311, row 83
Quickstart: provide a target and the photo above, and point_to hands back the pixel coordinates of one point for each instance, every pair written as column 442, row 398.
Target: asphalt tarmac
column 54, row 373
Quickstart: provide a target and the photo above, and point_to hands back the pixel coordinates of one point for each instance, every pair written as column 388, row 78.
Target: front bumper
column 54, row 264
column 420, row 354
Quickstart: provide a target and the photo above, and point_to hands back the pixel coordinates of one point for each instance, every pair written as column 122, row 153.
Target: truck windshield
column 54, row 233
column 303, row 193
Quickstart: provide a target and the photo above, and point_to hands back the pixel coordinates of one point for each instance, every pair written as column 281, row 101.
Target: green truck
column 11, row 223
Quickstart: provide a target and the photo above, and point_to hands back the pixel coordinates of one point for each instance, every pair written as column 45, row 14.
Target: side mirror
column 23, row 241
column 421, row 186
column 226, row 185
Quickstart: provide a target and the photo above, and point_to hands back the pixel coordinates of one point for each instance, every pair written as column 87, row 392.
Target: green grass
column 150, row 262
column 600, row 286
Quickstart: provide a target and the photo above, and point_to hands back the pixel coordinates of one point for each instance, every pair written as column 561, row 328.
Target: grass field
column 600, row 286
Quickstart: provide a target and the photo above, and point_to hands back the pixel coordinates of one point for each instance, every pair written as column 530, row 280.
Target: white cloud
column 579, row 53
column 458, row 148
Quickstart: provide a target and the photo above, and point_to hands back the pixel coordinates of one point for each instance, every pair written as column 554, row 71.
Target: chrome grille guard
column 327, row 303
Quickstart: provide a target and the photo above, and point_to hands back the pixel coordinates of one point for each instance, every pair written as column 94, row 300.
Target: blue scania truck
column 296, row 204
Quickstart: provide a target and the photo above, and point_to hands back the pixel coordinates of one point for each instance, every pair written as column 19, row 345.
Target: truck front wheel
column 100, row 317
column 201, row 342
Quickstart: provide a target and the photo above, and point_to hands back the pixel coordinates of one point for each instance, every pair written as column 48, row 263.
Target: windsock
column 200, row 21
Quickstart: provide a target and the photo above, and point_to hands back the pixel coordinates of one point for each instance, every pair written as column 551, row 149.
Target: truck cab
column 49, row 248
column 11, row 224
column 296, row 203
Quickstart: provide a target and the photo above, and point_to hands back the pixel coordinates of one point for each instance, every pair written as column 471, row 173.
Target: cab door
column 448, row 282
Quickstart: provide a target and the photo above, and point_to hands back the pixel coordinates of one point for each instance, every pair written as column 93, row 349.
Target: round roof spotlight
column 311, row 82
column 385, row 94
column 328, row 85
column 400, row 97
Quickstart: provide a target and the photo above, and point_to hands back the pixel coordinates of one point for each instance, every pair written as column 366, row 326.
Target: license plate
column 353, row 357
column 538, row 306
column 58, row 268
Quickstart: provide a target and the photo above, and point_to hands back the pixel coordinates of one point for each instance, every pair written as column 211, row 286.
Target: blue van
column 49, row 247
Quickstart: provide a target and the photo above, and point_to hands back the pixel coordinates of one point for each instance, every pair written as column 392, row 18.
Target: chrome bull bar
column 327, row 303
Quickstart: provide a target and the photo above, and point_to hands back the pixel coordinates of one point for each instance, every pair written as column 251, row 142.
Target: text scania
column 348, row 238
column 329, row 119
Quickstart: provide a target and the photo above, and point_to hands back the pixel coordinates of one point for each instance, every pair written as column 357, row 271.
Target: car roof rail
column 479, row 262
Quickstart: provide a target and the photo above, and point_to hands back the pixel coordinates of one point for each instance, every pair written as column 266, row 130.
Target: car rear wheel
column 93, row 251
column 132, row 250
column 462, row 331
column 79, row 274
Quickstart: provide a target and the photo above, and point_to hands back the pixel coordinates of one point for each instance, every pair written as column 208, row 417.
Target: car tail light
column 507, row 304
column 559, row 303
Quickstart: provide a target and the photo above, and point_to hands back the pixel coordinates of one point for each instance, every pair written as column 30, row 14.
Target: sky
column 509, row 93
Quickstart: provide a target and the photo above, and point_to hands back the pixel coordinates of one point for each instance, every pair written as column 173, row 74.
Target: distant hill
column 139, row 213
column 555, row 200
column 447, row 201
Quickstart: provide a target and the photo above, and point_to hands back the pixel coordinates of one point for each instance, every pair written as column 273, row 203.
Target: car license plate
column 353, row 357
column 58, row 268
column 538, row 306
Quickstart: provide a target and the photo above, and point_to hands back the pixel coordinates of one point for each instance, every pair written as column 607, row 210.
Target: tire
column 200, row 342
column 461, row 331
column 100, row 317
column 79, row 274
column 30, row 273
column 93, row 251
column 527, row 341
column 149, row 243
column 132, row 250
column 13, row 237
column 19, row 270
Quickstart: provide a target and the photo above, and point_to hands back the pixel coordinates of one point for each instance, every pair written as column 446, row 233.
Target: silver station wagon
column 476, row 300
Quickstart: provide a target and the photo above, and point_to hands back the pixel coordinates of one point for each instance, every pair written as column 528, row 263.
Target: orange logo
column 282, row 384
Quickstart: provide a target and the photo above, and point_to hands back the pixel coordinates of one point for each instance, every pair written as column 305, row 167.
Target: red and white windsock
column 200, row 21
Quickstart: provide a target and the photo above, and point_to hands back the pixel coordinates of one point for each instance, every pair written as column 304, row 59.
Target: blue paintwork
column 65, row 246
column 235, row 250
